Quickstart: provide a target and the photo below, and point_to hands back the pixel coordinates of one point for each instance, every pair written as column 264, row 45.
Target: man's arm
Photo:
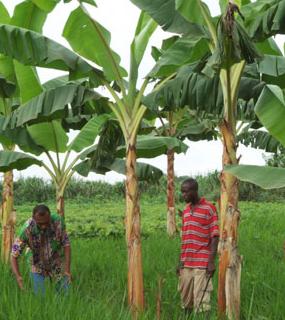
column 67, row 256
column 213, row 247
column 16, row 271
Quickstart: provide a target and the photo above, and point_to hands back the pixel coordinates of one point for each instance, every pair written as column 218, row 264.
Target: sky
column 120, row 17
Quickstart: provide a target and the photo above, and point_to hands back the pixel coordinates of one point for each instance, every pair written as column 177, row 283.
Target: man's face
column 42, row 220
column 189, row 192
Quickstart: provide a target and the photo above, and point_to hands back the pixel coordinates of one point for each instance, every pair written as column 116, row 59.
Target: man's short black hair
column 41, row 209
column 192, row 182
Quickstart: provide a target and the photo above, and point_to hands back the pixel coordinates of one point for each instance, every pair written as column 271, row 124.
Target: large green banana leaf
column 152, row 146
column 20, row 137
column 51, row 104
column 270, row 109
column 145, row 172
column 192, row 10
column 265, row 177
column 199, row 92
column 32, row 48
column 28, row 82
column 49, row 135
column 92, row 41
column 88, row 133
column 144, row 30
column 10, row 160
column 259, row 140
column 272, row 65
column 164, row 13
column 185, row 50
column 27, row 15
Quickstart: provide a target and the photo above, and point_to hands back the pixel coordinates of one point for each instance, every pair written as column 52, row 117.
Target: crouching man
column 200, row 235
column 44, row 234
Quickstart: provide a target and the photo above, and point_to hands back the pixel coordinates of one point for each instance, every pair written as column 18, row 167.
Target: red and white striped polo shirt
column 199, row 225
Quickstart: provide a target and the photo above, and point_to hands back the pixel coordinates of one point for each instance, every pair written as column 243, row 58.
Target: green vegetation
column 99, row 265
column 96, row 191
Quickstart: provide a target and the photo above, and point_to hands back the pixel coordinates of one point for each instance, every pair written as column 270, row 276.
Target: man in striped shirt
column 200, row 236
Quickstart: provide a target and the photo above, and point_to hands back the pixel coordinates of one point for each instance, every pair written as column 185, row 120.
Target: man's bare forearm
column 15, row 267
column 213, row 247
column 67, row 255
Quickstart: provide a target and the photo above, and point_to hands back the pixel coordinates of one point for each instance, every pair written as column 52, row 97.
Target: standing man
column 44, row 234
column 200, row 236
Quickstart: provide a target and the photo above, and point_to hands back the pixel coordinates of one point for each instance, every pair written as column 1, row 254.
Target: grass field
column 99, row 266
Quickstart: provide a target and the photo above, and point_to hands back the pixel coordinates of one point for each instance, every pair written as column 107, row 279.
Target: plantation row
column 85, row 191
column 105, row 219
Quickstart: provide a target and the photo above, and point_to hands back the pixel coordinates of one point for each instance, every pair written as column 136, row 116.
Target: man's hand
column 211, row 268
column 20, row 282
column 68, row 276
column 178, row 269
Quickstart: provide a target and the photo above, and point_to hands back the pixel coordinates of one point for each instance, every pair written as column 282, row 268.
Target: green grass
column 99, row 266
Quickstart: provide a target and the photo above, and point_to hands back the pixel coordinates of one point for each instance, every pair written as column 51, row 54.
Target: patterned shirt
column 199, row 225
column 45, row 255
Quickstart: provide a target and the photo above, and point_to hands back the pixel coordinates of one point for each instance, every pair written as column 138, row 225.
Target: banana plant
column 229, row 49
column 26, row 14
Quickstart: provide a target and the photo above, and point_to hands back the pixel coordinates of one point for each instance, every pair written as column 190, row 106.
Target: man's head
column 41, row 215
column 189, row 190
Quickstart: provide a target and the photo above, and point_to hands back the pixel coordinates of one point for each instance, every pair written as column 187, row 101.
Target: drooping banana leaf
column 259, row 140
column 10, row 160
column 165, row 14
column 266, row 18
column 145, row 172
column 265, row 177
column 51, row 104
column 20, row 137
column 152, row 146
column 185, row 50
column 31, row 48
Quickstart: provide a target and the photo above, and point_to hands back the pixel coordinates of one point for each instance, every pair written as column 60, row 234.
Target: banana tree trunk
column 133, row 239
column 171, row 221
column 60, row 200
column 229, row 260
column 8, row 216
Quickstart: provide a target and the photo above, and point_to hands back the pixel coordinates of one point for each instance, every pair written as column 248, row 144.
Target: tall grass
column 99, row 269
